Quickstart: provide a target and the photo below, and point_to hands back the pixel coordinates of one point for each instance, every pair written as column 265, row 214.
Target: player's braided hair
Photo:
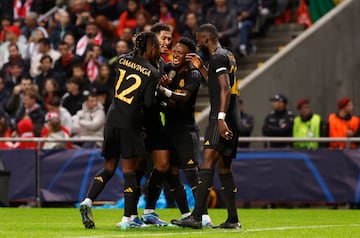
column 141, row 41
column 189, row 43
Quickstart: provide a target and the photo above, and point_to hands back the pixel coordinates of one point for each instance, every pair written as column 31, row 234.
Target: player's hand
column 195, row 60
column 165, row 80
column 224, row 130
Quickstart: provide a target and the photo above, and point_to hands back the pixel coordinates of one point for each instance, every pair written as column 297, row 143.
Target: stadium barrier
column 263, row 175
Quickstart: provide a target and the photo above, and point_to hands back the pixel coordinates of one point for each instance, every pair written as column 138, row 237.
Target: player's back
column 135, row 84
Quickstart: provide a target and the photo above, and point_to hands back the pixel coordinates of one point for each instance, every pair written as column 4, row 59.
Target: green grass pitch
column 66, row 222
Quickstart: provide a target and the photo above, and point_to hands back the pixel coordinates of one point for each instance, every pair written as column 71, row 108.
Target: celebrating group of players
column 159, row 99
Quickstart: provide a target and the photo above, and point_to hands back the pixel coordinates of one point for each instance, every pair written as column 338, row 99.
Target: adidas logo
column 207, row 142
column 128, row 190
column 99, row 178
column 235, row 190
column 190, row 162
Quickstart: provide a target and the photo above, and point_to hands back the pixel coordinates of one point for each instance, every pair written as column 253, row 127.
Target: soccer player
column 221, row 134
column 134, row 93
column 180, row 124
column 157, row 140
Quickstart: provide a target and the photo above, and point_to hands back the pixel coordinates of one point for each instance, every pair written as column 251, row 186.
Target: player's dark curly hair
column 141, row 42
column 210, row 29
column 157, row 27
column 189, row 43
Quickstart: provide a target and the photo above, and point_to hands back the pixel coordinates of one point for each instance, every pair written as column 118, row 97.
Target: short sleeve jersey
column 181, row 115
column 223, row 62
column 135, row 85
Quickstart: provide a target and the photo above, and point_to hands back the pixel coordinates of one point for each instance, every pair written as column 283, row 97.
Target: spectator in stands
column 247, row 11
column 4, row 132
column 14, row 73
column 90, row 120
column 30, row 25
column 142, row 20
column 50, row 89
column 64, row 65
column 55, row 132
column 267, row 14
column 127, row 36
column 246, row 125
column 25, row 129
column 103, row 86
column 193, row 6
column 224, row 18
column 166, row 17
column 279, row 122
column 92, row 36
column 63, row 27
column 82, row 19
column 32, row 109
column 15, row 102
column 191, row 26
column 4, row 94
column 122, row 47
column 92, row 62
column 54, row 106
column 14, row 55
column 46, row 71
column 12, row 36
column 72, row 100
column 70, row 40
column 33, row 42
column 107, row 28
column 5, row 22
column 44, row 49
column 79, row 74
column 343, row 123
column 307, row 125
column 111, row 9
column 127, row 18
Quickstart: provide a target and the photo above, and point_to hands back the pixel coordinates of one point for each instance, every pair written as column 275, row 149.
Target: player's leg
column 178, row 191
column 133, row 151
column 206, row 174
column 161, row 159
column 102, row 177
column 227, row 183
column 131, row 191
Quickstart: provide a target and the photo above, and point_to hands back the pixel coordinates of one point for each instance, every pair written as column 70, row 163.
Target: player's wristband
column 166, row 92
column 221, row 115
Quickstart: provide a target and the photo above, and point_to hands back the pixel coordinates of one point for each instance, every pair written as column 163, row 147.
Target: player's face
column 202, row 40
column 179, row 53
column 164, row 38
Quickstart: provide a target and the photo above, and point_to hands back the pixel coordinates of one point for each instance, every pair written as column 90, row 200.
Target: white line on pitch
column 282, row 228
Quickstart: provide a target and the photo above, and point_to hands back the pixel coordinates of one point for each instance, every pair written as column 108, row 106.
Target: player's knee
column 162, row 166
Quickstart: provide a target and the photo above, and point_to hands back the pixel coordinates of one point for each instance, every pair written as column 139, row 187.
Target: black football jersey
column 223, row 62
column 181, row 115
column 134, row 92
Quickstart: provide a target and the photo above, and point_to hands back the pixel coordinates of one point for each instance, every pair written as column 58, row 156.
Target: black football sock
column 178, row 193
column 202, row 192
column 139, row 176
column 98, row 184
column 229, row 191
column 130, row 194
column 193, row 179
column 154, row 187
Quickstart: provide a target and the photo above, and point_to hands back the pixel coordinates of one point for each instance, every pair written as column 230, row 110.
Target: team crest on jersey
column 182, row 83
